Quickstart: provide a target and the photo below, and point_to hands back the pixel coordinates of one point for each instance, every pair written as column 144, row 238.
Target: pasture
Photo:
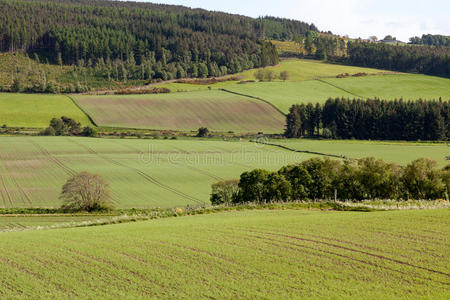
column 284, row 94
column 407, row 86
column 390, row 87
column 307, row 69
column 216, row 110
column 141, row 173
column 390, row 151
column 36, row 110
column 247, row 254
column 162, row 173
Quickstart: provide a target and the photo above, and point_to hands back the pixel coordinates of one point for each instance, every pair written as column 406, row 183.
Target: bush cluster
column 67, row 126
column 324, row 179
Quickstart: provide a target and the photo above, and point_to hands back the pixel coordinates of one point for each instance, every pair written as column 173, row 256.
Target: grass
column 141, row 173
column 307, row 69
column 20, row 222
column 397, row 152
column 284, row 94
column 216, row 110
column 36, row 110
column 314, row 81
column 162, row 173
column 406, row 86
column 245, row 255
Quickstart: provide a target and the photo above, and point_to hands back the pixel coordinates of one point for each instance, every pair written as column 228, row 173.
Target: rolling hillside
column 36, row 110
column 216, row 110
column 246, row 254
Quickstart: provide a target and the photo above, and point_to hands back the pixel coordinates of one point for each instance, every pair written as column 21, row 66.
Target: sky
column 357, row 18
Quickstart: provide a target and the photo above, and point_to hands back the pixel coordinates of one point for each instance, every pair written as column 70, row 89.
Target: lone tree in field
column 202, row 132
column 86, row 192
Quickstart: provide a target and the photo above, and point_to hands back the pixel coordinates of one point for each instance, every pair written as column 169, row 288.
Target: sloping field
column 284, row 94
column 240, row 255
column 36, row 110
column 216, row 110
column 141, row 173
column 307, row 69
column 160, row 173
column 407, row 86
column 397, row 152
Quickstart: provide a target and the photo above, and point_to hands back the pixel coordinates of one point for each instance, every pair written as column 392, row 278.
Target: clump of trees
column 325, row 179
column 269, row 75
column 86, row 192
column 67, row 126
column 371, row 119
column 431, row 40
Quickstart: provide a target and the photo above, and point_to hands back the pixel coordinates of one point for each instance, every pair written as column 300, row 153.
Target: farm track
column 8, row 195
column 27, row 199
column 198, row 170
column 55, row 160
column 144, row 175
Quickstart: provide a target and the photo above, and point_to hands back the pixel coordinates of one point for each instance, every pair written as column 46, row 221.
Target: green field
column 397, row 152
column 284, row 94
column 141, row 173
column 36, row 110
column 314, row 81
column 161, row 173
column 216, row 110
column 307, row 69
column 407, row 86
column 270, row 254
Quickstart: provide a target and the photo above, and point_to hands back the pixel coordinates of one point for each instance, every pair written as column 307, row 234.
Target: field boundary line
column 254, row 97
column 303, row 151
column 82, row 110
column 338, row 87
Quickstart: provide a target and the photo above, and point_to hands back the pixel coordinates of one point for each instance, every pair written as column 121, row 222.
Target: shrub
column 89, row 132
column 49, row 131
column 225, row 192
column 86, row 192
column 202, row 132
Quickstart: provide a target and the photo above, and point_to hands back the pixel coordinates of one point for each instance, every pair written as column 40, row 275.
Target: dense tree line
column 432, row 60
column 371, row 119
column 285, row 29
column 126, row 40
column 407, row 58
column 325, row 179
column 431, row 40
